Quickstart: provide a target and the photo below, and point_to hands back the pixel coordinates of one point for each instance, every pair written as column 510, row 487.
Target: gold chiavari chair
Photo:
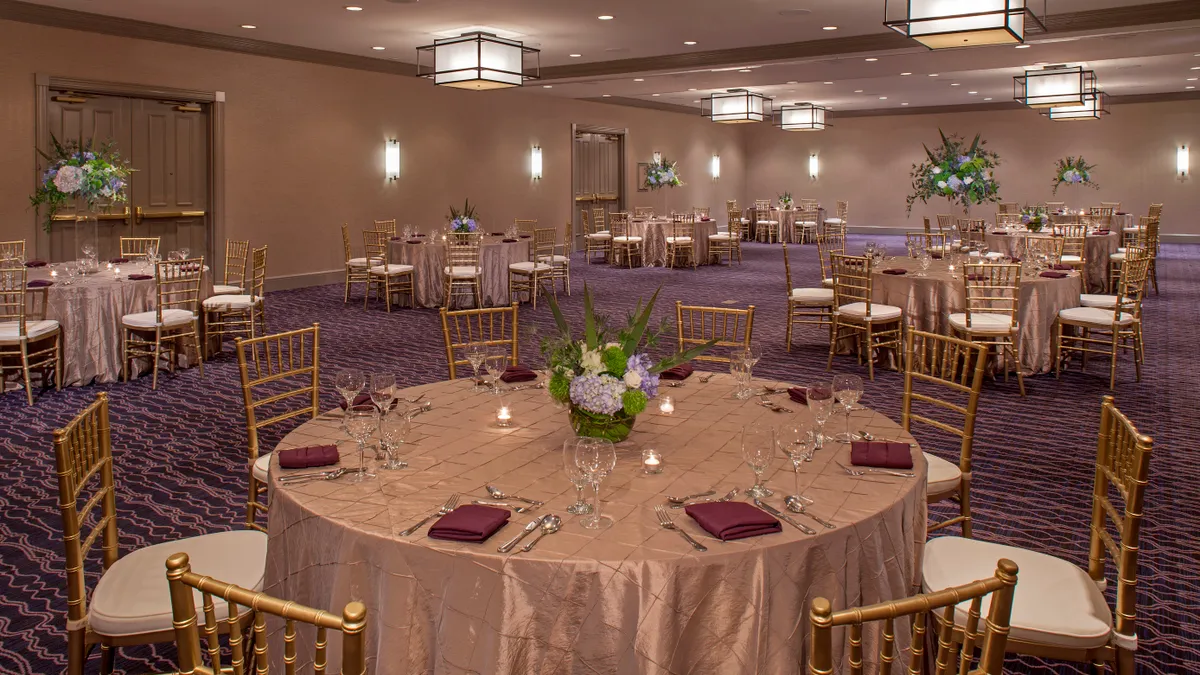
column 625, row 246
column 765, row 227
column 807, row 204
column 33, row 343
column 945, row 606
column 527, row 276
column 804, row 229
column 559, row 262
column 1006, row 221
column 183, row 584
column 743, row 219
column 1110, row 301
column 356, row 268
column 916, row 241
column 727, row 244
column 134, row 248
column 1055, row 206
column 840, row 221
column 970, row 230
column 388, row 226
column 1074, row 245
column 806, row 305
column 463, row 276
column 1061, row 611
column 936, row 243
column 596, row 239
column 1010, row 207
column 12, row 250
column 828, row 244
column 281, row 380
column 233, row 280
column 242, row 314
column 1153, row 237
column 387, row 278
column 1043, row 246
column 527, row 225
column 176, row 315
column 700, row 212
column 1137, row 239
column 943, row 376
column 681, row 243
column 643, row 212
column 1105, row 212
column 491, row 327
column 1118, row 327
column 993, row 307
column 129, row 604
column 599, row 215
column 1115, row 206
column 727, row 328
column 730, row 204
column 872, row 326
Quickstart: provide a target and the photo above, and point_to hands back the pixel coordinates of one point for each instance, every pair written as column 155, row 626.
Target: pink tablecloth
column 429, row 261
column 1097, row 249
column 654, row 233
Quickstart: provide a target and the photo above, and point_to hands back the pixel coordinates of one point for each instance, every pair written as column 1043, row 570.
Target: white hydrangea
column 591, row 362
column 942, row 184
column 936, row 170
column 632, row 379
column 68, row 179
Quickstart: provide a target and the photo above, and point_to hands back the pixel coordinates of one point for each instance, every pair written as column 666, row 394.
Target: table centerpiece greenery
column 464, row 220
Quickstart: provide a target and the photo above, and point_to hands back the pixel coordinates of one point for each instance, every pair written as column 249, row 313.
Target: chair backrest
column 258, row 275
column 851, row 279
column 1151, row 231
column 12, row 250
column 545, row 240
column 352, row 625
column 618, row 224
column 787, row 270
column 684, row 227
column 235, row 262
column 1156, row 211
column 992, row 289
column 281, row 379
column 827, row 245
column 1101, row 211
column 925, row 223
column 489, row 326
column 807, row 215
column 944, row 376
column 599, row 216
column 13, row 301
column 1005, row 220
column 1131, row 288
column 843, row 210
column 1042, row 245
column 388, row 226
column 1074, row 240
column 643, row 211
column 730, row 204
column 735, row 224
column 1115, row 206
column 139, row 247
column 762, row 204
column 945, row 222
column 951, row 657
column 683, row 217
column 462, row 249
column 588, row 227
column 526, row 225
column 346, row 241
column 916, row 241
column 83, row 461
column 178, row 285
column 1054, row 206
column 700, row 211
column 1122, row 463
column 376, row 244
column 731, row 328
column 935, row 242
column 809, row 204
column 1009, row 207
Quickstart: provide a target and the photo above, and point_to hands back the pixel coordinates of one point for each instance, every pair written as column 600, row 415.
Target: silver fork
column 664, row 519
column 705, row 378
column 884, row 472
column 446, row 508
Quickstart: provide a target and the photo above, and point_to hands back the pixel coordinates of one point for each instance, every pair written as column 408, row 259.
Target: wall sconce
column 1182, row 162
column 657, row 157
column 535, row 162
column 391, row 159
column 814, row 167
column 716, row 167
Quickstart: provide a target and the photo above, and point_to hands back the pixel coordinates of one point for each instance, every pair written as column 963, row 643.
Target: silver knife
column 779, row 514
column 533, row 525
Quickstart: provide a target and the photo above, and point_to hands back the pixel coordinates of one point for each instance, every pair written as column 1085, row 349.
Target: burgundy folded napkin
column 799, row 395
column 1063, row 267
column 414, row 241
column 1122, row 213
column 732, row 520
column 935, row 256
column 680, row 372
column 469, row 522
column 361, row 399
column 1053, row 275
column 896, row 270
column 36, row 263
column 39, row 283
column 509, row 241
column 1015, row 259
column 393, row 238
column 139, row 277
column 1098, row 232
column 705, row 219
column 497, row 234
column 518, row 374
column 527, row 236
column 976, row 277
column 118, row 261
column 881, row 455
column 419, row 234
column 304, row 458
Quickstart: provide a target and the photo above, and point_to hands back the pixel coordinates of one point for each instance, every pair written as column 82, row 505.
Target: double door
column 597, row 176
column 166, row 143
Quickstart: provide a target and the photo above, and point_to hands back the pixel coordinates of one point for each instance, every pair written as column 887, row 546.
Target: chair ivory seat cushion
column 553, row 258
column 679, row 240
column 33, row 330
column 858, row 310
column 392, row 269
column 1094, row 316
column 171, row 318
column 262, row 467
column 768, row 222
column 994, row 255
column 222, row 289
column 813, row 296
column 835, row 221
column 720, row 237
column 1119, row 256
column 218, row 303
column 133, row 598
column 1070, row 259
column 1135, row 228
column 1056, row 603
column 628, row 240
column 462, row 272
column 827, row 283
column 599, row 235
column 529, row 267
column 983, row 323
column 942, row 476
column 745, row 221
column 1102, row 301
column 807, row 223
column 362, row 262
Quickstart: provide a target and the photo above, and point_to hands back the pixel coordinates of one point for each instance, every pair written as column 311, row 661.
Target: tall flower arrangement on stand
column 959, row 172
column 97, row 177
column 1074, row 171
column 662, row 174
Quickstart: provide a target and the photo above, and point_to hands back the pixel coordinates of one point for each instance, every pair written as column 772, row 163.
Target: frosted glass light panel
column 801, row 117
column 1054, row 86
column 941, row 24
column 1093, row 108
column 477, row 61
column 736, row 106
column 535, row 162
column 1182, row 161
column 716, row 166
column 391, row 159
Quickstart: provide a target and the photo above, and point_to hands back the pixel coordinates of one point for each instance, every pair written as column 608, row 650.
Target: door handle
column 142, row 215
column 65, row 218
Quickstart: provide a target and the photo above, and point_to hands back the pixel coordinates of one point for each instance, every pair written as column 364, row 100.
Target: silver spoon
column 533, row 525
column 680, row 500
column 795, row 505
column 550, row 525
column 729, row 495
column 497, row 494
column 518, row 509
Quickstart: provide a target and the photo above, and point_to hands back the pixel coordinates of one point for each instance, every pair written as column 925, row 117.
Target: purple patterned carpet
column 180, row 451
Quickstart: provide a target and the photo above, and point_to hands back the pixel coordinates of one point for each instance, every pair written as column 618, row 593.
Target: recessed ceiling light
column 656, row 94
column 606, row 95
column 933, row 74
column 828, row 27
column 858, row 91
column 547, row 86
column 955, row 84
column 691, row 89
column 988, row 98
column 353, row 8
column 1189, row 87
column 793, row 82
column 872, row 59
column 745, row 70
column 828, row 83
column 1192, row 79
column 574, row 56
column 906, row 73
column 882, row 98
column 605, row 17
column 972, row 92
column 903, row 104
column 1024, row 46
column 249, row 25
column 689, row 42
column 378, row 49
column 639, row 79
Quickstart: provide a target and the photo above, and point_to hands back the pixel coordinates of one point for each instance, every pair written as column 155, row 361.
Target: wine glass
column 477, row 353
column 798, row 443
column 596, row 458
column 737, row 368
column 758, row 450
column 361, row 420
column 383, row 393
column 497, row 361
column 847, row 389
column 88, row 250
column 576, row 476
column 393, row 434
column 820, row 403
column 349, row 383
column 925, row 260
column 183, row 253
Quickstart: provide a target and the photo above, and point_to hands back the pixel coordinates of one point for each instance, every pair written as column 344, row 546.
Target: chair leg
column 108, row 657
column 199, row 347
column 347, row 298
column 870, row 349
column 157, row 357
column 833, row 341
column 790, row 309
column 964, row 499
column 253, row 497
column 76, row 652
column 1112, row 367
column 1056, row 349
column 25, row 371
column 59, row 360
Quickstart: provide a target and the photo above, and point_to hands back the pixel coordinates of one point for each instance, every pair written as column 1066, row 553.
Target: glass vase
column 614, row 428
column 86, row 233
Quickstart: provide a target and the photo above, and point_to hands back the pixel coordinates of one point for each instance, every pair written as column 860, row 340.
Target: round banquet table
column 654, row 233
column 787, row 221
column 428, row 259
column 1097, row 249
column 90, row 310
column 629, row 599
column 929, row 301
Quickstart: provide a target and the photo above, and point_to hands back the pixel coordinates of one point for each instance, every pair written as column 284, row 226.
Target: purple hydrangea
column 640, row 364
column 598, row 393
column 955, row 183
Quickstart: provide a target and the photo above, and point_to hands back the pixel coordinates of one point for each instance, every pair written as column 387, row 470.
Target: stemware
column 183, row 253
column 925, row 260
column 737, row 368
column 820, row 403
column 797, row 442
column 758, row 449
column 393, row 435
column 349, row 383
column 496, row 362
column 88, row 250
column 847, row 389
column 477, row 353
column 596, row 458
column 361, row 420
column 576, row 476
column 383, row 392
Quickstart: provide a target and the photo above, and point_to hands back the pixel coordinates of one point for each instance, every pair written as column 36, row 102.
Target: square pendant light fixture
column 1093, row 108
column 1054, row 86
column 941, row 24
column 736, row 106
column 479, row 60
column 800, row 117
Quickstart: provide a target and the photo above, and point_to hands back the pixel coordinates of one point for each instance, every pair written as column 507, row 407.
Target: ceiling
column 777, row 47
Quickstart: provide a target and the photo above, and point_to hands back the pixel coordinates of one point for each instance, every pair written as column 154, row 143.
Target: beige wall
column 866, row 160
column 304, row 143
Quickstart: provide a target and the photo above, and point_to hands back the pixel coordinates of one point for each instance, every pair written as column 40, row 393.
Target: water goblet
column 925, row 260
column 847, row 389
column 477, row 353
column 349, row 383
column 183, row 253
column 383, row 392
column 758, row 450
column 496, row 362
column 596, row 458
column 576, row 476
column 820, row 403
column 797, row 442
column 393, row 434
column 361, row 421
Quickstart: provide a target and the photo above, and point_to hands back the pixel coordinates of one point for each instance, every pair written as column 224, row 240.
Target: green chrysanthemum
column 634, row 401
column 614, row 361
column 560, row 388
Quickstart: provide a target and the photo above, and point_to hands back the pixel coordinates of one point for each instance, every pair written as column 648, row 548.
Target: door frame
column 44, row 84
column 593, row 129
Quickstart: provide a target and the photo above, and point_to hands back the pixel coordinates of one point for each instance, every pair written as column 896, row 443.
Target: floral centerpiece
column 956, row 171
column 662, row 174
column 96, row 177
column 785, row 200
column 464, row 220
column 1074, row 171
column 1034, row 218
column 606, row 380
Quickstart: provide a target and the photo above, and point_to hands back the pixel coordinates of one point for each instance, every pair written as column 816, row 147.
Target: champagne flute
column 361, row 420
column 477, row 353
column 797, row 442
column 820, row 403
column 393, row 434
column 847, row 389
column 596, row 458
column 753, row 355
column 576, row 476
column 758, row 450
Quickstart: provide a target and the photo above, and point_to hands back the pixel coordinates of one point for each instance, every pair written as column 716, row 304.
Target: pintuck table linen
column 1097, row 249
column 654, row 233
column 429, row 260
